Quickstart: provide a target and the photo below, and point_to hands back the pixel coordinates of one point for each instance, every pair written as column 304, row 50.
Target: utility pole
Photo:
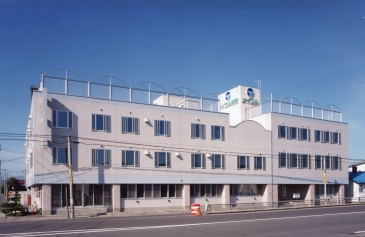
column 6, row 184
column 1, row 177
column 70, row 175
column 325, row 181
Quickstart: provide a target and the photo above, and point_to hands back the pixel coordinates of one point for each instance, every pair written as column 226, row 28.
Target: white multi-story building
column 143, row 148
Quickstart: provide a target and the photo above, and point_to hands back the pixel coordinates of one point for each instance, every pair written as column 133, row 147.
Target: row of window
column 133, row 191
column 327, row 137
column 244, row 190
column 101, row 194
column 162, row 159
column 303, row 161
column 151, row 191
column 206, row 190
column 292, row 160
column 293, row 133
column 102, row 123
column 303, row 134
column 328, row 162
column 331, row 189
column 83, row 194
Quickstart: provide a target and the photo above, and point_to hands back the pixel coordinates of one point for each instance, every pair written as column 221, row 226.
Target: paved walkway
column 2, row 200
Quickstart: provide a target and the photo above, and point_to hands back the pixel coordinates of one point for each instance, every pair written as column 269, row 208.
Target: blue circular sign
column 250, row 93
column 228, row 96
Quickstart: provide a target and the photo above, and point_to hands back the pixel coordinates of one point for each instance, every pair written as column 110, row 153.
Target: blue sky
column 310, row 50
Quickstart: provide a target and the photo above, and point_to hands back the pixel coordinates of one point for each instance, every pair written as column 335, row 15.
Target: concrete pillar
column 186, row 196
column 116, row 198
column 226, row 199
column 341, row 194
column 310, row 197
column 46, row 199
column 270, row 194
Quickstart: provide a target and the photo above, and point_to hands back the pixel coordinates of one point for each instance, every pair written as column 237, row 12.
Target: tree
column 12, row 182
column 13, row 207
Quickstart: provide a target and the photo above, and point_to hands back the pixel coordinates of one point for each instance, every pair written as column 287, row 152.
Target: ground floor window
column 243, row 189
column 331, row 189
column 83, row 194
column 133, row 191
column 206, row 190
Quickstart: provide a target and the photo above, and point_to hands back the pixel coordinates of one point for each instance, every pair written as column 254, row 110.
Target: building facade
column 355, row 190
column 142, row 149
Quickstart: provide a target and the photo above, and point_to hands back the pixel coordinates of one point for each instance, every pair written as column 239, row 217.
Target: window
column 292, row 133
column 294, row 160
column 130, row 158
column 130, row 125
column 197, row 161
column 259, row 163
column 283, row 190
column 243, row 162
column 318, row 162
column 317, row 136
column 62, row 119
column 282, row 160
column 331, row 189
column 59, row 155
column 162, row 159
column 100, row 122
column 305, row 161
column 336, row 138
column 336, row 163
column 326, row 137
column 304, row 134
column 162, row 128
column 218, row 162
column 133, row 191
column 218, row 133
column 84, row 194
column 327, row 162
column 282, row 132
column 206, row 190
column 243, row 189
column 198, row 131
column 100, row 157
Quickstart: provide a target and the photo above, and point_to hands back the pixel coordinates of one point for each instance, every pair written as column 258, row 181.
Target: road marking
column 359, row 232
column 68, row 232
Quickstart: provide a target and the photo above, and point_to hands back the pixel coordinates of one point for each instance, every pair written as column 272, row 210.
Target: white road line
column 47, row 233
column 359, row 232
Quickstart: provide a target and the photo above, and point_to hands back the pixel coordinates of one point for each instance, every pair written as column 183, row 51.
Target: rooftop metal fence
column 64, row 81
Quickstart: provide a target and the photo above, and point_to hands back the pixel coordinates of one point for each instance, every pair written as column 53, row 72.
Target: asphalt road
column 329, row 221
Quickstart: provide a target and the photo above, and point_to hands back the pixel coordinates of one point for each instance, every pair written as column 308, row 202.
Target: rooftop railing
column 67, row 82
column 294, row 107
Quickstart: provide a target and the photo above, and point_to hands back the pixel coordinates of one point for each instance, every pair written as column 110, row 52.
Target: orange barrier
column 195, row 209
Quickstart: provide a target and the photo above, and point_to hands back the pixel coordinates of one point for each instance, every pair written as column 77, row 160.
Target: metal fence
column 112, row 88
column 63, row 81
column 294, row 107
column 256, row 206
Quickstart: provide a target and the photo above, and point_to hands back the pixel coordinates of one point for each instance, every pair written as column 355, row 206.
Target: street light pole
column 70, row 175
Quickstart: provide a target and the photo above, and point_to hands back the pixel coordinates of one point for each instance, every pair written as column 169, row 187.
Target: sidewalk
column 2, row 200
